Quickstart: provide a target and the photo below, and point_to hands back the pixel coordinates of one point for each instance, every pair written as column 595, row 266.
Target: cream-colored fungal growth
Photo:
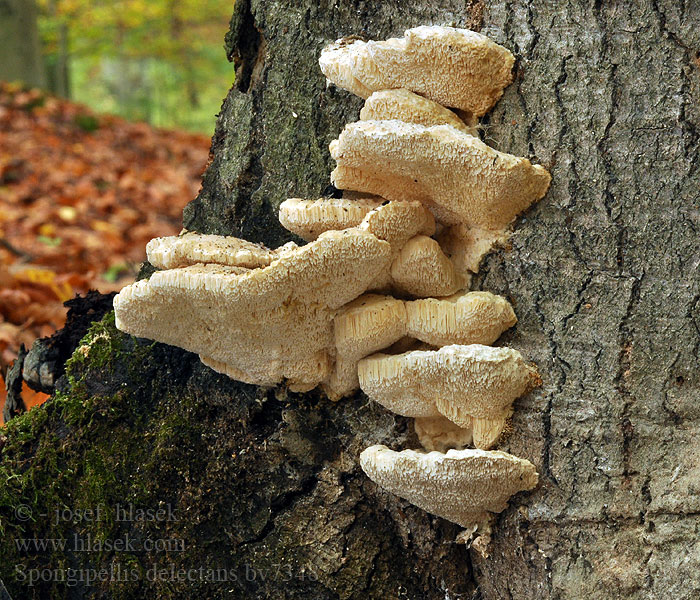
column 455, row 67
column 422, row 269
column 365, row 325
column 486, row 432
column 396, row 383
column 263, row 325
column 192, row 248
column 456, row 175
column 441, row 434
column 462, row 383
column 462, row 486
column 310, row 218
column 463, row 318
column 406, row 106
column 467, row 246
column 398, row 221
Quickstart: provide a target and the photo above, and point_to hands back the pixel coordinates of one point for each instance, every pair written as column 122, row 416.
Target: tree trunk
column 602, row 273
column 20, row 50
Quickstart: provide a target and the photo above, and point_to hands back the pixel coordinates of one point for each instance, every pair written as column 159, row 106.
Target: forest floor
column 80, row 196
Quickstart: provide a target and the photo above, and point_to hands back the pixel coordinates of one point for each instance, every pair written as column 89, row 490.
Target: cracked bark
column 603, row 277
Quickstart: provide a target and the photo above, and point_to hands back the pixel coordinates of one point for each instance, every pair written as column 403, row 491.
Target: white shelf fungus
column 456, row 175
column 421, row 269
column 402, row 105
column 462, row 486
column 192, row 248
column 466, row 384
column 266, row 324
column 463, row 318
column 310, row 218
column 455, row 67
column 398, row 221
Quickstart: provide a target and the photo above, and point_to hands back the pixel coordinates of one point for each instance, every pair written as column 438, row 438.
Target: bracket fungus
column 248, row 323
column 461, row 179
column 190, row 248
column 474, row 386
column 458, row 68
column 422, row 269
column 311, row 315
column 463, row 318
column 462, row 486
column 402, row 105
column 310, row 218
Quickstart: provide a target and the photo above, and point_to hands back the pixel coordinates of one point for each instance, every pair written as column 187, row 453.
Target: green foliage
column 160, row 61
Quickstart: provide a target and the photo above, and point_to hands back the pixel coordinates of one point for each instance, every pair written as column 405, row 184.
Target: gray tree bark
column 20, row 49
column 602, row 273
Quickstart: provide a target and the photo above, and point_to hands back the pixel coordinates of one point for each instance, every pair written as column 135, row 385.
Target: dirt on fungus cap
column 462, row 486
column 458, row 68
column 406, row 106
column 265, row 325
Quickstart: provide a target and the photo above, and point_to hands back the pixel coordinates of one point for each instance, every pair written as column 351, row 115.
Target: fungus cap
column 421, row 269
column 463, row 318
column 454, row 67
column 191, row 248
column 310, row 218
column 462, row 486
column 456, row 175
column 402, row 105
column 397, row 222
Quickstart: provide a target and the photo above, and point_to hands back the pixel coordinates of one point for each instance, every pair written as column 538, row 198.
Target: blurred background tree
column 20, row 49
column 159, row 61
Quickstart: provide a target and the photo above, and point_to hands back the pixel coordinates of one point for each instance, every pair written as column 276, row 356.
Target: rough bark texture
column 603, row 276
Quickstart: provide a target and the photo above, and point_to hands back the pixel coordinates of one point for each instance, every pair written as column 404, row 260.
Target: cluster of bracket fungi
column 377, row 297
